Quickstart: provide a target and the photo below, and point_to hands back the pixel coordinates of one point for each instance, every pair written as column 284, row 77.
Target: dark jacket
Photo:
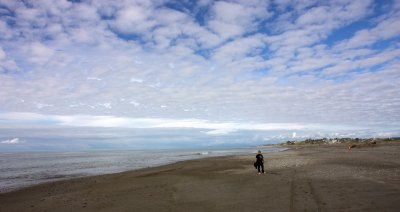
column 260, row 159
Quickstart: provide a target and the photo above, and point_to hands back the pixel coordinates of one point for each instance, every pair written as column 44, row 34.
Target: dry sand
column 312, row 178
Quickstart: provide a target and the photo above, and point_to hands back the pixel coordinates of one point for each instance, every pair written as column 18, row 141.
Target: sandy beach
column 304, row 178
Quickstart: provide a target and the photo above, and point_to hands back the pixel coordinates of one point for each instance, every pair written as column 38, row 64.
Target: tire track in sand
column 292, row 191
column 315, row 196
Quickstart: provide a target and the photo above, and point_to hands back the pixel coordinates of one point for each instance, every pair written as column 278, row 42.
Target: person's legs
column 262, row 166
column 258, row 167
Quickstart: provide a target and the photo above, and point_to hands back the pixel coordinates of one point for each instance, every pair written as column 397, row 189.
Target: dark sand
column 312, row 178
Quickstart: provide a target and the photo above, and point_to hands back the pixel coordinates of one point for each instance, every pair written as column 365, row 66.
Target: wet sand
column 305, row 178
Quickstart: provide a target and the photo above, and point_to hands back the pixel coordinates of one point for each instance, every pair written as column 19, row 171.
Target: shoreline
column 49, row 172
column 316, row 178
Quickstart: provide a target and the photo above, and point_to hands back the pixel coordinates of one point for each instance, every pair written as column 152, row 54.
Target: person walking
column 260, row 162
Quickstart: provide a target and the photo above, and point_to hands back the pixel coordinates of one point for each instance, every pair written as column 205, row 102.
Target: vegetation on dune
column 342, row 141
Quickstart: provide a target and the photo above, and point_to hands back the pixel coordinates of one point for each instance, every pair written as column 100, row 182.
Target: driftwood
column 352, row 146
column 369, row 143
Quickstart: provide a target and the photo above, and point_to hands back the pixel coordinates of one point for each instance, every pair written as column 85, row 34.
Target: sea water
column 23, row 169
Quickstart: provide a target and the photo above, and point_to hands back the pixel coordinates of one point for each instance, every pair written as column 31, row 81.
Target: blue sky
column 260, row 70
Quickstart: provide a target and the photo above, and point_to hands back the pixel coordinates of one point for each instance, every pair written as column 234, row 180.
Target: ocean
column 24, row 169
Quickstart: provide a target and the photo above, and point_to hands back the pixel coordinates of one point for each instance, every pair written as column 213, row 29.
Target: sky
column 196, row 73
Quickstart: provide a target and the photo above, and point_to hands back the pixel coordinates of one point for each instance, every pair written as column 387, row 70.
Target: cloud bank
column 19, row 119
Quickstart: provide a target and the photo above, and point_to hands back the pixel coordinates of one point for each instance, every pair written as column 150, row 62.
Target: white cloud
column 215, row 128
column 133, row 79
column 11, row 141
column 238, row 49
column 133, row 19
column 310, row 16
column 39, row 53
column 134, row 103
column 231, row 19
column 6, row 31
column 86, row 12
column 94, row 78
column 41, row 105
column 106, row 105
column 220, row 132
column 7, row 64
column 2, row 54
column 385, row 29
